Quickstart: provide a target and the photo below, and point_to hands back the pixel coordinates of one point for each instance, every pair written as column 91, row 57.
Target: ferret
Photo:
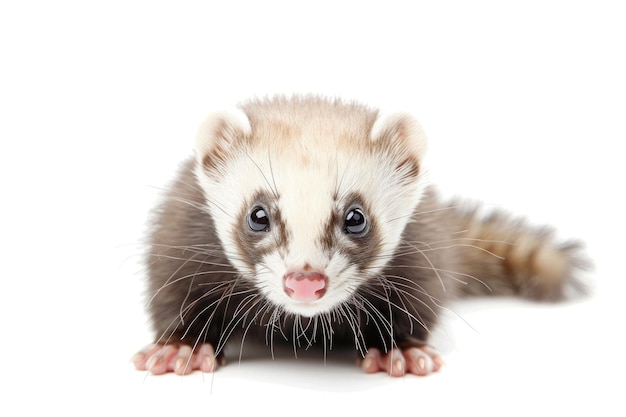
column 311, row 221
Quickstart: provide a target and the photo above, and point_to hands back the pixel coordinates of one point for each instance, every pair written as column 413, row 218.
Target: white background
column 524, row 105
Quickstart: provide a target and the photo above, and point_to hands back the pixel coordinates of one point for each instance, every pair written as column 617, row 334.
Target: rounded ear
column 400, row 129
column 218, row 131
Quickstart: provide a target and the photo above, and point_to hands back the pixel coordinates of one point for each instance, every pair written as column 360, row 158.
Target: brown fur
column 447, row 250
column 496, row 256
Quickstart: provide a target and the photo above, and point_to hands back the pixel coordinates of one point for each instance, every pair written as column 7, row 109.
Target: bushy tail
column 511, row 257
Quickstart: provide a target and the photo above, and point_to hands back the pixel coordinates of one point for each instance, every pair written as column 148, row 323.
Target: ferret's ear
column 400, row 129
column 218, row 131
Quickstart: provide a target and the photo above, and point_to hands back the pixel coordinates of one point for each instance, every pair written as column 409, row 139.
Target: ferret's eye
column 355, row 221
column 258, row 220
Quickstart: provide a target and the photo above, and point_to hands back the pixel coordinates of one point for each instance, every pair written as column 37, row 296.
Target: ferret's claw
column 421, row 361
column 180, row 359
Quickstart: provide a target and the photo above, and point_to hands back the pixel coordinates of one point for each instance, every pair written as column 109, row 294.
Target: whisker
column 374, row 313
column 260, row 312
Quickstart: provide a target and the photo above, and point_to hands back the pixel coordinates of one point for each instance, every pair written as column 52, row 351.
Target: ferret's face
column 309, row 214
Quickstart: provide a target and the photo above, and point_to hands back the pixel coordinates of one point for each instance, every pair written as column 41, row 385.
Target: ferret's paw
column 420, row 361
column 180, row 359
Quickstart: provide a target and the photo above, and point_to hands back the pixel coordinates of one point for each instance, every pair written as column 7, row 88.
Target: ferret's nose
column 305, row 285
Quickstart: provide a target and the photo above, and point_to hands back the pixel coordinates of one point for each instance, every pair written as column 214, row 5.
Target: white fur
column 387, row 121
column 207, row 132
column 306, row 182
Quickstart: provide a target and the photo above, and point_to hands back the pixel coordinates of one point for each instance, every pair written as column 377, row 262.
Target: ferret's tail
column 506, row 256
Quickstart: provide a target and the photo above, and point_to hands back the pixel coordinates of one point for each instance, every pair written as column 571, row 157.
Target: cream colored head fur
column 307, row 161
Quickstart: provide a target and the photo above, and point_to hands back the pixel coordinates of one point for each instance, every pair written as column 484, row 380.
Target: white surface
column 524, row 107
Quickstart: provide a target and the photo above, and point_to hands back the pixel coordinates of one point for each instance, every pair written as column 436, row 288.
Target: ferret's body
column 311, row 221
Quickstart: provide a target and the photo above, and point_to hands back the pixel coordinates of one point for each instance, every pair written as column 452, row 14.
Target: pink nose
column 305, row 286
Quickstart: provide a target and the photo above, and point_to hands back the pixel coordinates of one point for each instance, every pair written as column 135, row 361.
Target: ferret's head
column 310, row 196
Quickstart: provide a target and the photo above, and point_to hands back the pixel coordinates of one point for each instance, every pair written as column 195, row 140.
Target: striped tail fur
column 512, row 258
